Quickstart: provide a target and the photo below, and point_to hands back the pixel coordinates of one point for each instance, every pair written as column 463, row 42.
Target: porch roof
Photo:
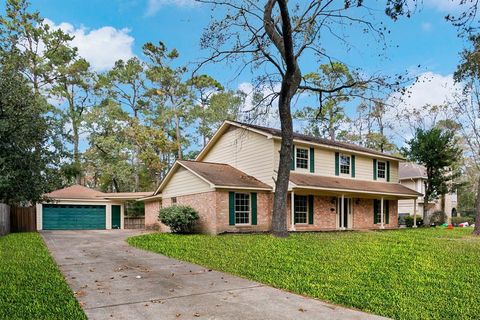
column 337, row 184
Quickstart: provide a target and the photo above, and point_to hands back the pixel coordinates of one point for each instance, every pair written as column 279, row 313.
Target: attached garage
column 81, row 208
column 74, row 217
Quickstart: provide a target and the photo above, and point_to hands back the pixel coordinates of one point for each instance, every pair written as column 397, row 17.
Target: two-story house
column 414, row 176
column 333, row 185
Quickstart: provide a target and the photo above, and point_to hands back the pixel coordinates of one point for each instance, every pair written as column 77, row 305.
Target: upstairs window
column 301, row 158
column 344, row 164
column 242, row 208
column 381, row 169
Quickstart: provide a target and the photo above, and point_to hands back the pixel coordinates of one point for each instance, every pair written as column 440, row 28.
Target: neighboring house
column 81, row 208
column 333, row 185
column 414, row 176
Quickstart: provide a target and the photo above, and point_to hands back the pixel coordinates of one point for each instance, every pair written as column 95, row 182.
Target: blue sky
column 107, row 30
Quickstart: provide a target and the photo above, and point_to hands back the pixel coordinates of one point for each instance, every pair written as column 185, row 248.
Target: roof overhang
column 354, row 191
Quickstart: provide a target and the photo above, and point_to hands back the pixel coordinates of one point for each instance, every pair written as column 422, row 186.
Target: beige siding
column 363, row 168
column 324, row 162
column 247, row 151
column 184, row 182
column 394, row 171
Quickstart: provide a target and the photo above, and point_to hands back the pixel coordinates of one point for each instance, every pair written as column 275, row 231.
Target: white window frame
column 308, row 158
column 384, row 170
column 295, row 211
column 249, row 208
column 349, row 164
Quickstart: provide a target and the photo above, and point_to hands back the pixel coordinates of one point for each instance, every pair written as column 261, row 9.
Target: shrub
column 438, row 218
column 180, row 219
column 409, row 221
column 457, row 220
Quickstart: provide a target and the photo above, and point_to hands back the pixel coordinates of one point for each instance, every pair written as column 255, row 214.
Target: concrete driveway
column 112, row 280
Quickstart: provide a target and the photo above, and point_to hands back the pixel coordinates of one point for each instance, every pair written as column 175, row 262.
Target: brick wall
column 363, row 214
column 264, row 213
column 324, row 215
column 151, row 215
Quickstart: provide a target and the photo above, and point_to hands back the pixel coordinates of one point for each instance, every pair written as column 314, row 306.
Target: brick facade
column 213, row 208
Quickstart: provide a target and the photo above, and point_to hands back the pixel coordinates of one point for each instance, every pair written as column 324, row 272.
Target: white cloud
column 426, row 26
column 155, row 5
column 414, row 108
column 444, row 5
column 101, row 47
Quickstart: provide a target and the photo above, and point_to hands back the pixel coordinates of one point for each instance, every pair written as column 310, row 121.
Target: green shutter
column 375, row 211
column 253, row 195
column 310, row 209
column 231, row 208
column 312, row 160
column 386, row 207
column 337, row 164
column 353, row 166
column 388, row 171
column 374, row 169
column 292, row 164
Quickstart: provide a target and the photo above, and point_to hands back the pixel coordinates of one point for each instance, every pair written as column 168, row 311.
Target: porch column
column 292, row 209
column 381, row 215
column 415, row 212
column 342, row 205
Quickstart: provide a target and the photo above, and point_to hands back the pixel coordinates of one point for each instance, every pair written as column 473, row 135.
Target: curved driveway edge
column 112, row 280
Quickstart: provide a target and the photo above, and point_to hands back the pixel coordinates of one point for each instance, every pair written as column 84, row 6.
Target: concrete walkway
column 112, row 280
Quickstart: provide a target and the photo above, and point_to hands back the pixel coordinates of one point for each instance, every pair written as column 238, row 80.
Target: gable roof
column 75, row 192
column 352, row 185
column 218, row 175
column 410, row 170
column 299, row 137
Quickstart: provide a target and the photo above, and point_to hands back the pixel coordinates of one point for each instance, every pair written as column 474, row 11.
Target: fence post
column 4, row 219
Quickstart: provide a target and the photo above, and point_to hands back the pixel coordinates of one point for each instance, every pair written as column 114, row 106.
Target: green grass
column 31, row 286
column 403, row 274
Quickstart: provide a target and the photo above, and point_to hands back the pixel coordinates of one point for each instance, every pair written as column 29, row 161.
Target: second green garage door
column 73, row 217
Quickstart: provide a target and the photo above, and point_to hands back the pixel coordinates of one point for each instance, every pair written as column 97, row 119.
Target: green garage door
column 73, row 217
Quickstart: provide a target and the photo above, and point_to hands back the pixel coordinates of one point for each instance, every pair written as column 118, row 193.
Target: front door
column 344, row 216
column 116, row 217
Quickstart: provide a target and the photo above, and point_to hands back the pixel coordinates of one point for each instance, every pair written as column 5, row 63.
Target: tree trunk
column 178, row 136
column 76, row 151
column 476, row 231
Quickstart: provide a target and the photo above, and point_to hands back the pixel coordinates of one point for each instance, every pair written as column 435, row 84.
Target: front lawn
column 31, row 286
column 403, row 274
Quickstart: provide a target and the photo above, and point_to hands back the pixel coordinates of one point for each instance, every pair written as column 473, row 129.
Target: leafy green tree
column 171, row 95
column 35, row 48
column 125, row 84
column 328, row 119
column 29, row 152
column 74, row 85
column 437, row 151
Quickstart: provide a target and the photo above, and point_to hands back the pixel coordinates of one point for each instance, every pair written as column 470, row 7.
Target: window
column 381, row 169
column 242, row 208
column 302, row 158
column 174, row 200
column 301, row 209
column 344, row 164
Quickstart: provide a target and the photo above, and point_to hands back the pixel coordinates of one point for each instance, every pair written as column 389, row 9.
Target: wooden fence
column 4, row 219
column 134, row 223
column 23, row 219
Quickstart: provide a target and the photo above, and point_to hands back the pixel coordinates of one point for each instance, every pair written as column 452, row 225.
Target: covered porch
column 321, row 203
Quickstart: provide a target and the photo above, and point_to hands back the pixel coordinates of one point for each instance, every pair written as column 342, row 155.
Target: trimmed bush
column 180, row 219
column 438, row 218
column 457, row 220
column 409, row 221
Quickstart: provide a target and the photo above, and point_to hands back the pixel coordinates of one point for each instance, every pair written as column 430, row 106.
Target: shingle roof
column 225, row 175
column 309, row 180
column 81, row 192
column 408, row 170
column 75, row 192
column 307, row 138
